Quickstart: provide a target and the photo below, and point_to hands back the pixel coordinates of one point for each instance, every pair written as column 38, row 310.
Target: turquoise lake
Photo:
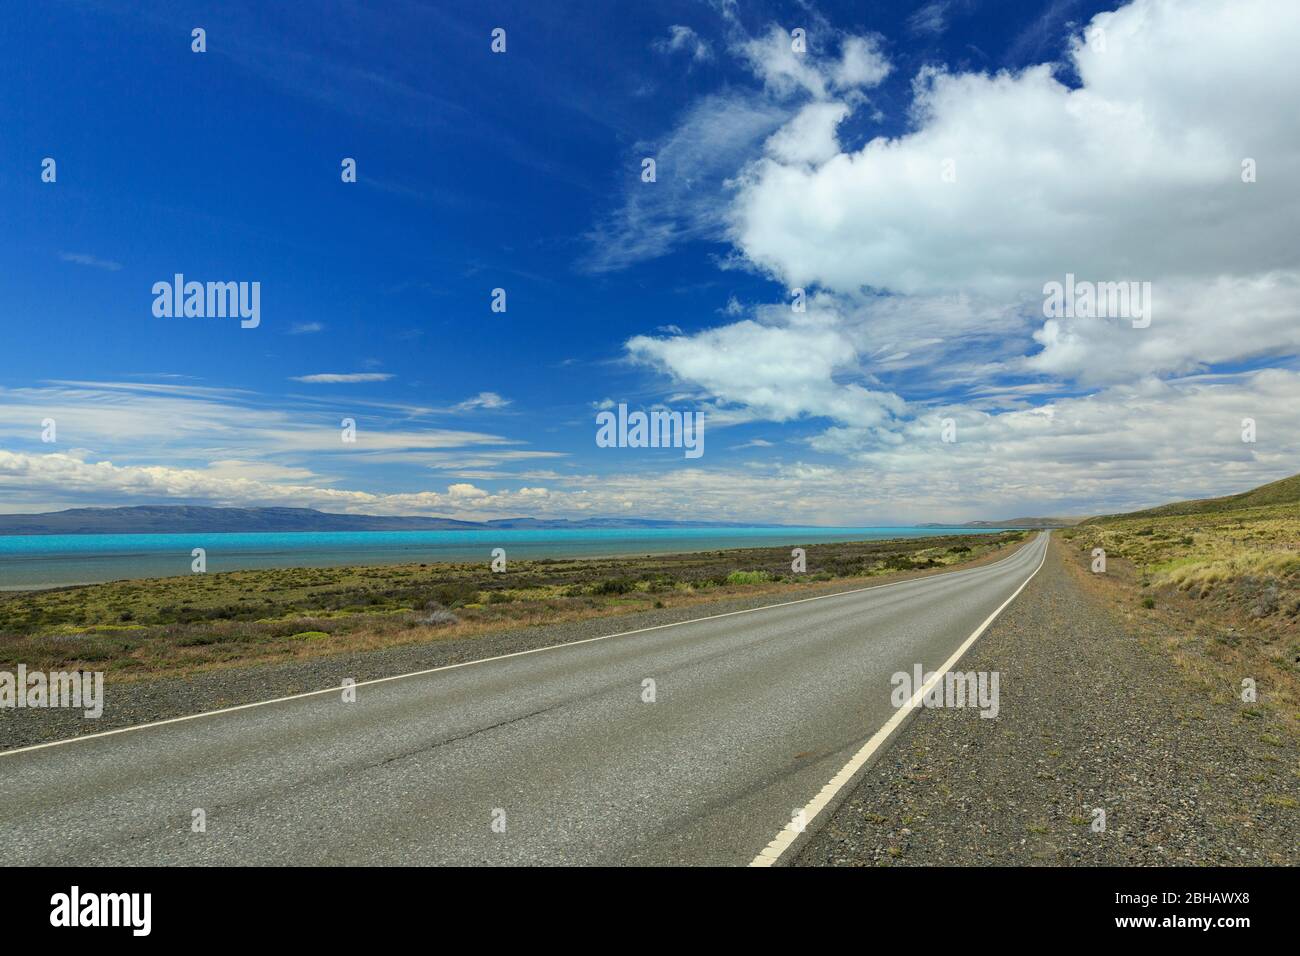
column 35, row 561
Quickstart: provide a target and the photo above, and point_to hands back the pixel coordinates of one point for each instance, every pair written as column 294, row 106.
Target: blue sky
column 521, row 171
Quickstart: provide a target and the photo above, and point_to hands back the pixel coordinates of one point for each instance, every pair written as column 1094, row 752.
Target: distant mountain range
column 1011, row 523
column 166, row 519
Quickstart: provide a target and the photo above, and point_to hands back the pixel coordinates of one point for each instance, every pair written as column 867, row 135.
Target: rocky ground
column 1093, row 716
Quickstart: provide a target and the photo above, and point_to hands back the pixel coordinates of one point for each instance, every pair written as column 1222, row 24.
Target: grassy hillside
column 1200, row 551
column 1221, row 576
column 1243, row 539
column 1284, row 492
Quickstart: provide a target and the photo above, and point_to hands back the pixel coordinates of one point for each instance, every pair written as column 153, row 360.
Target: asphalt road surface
column 548, row 757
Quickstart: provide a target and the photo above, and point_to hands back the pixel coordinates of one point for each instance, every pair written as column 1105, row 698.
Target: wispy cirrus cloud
column 341, row 378
column 85, row 259
column 931, row 19
column 483, row 400
column 687, row 199
column 137, row 422
column 683, row 39
column 717, row 135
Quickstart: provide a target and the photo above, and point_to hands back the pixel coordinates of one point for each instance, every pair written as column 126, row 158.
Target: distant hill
column 167, row 519
column 523, row 523
column 1283, row 492
column 1011, row 523
column 161, row 519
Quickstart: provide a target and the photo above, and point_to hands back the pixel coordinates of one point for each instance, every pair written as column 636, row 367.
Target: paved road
column 754, row 713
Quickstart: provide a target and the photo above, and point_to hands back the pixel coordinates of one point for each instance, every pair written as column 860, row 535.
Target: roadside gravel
column 1090, row 718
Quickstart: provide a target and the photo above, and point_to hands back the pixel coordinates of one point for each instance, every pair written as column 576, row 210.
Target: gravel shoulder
column 1091, row 717
column 128, row 703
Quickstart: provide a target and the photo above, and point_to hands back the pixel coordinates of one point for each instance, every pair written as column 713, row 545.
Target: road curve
column 754, row 713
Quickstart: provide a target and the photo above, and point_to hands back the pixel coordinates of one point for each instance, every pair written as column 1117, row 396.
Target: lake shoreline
column 40, row 562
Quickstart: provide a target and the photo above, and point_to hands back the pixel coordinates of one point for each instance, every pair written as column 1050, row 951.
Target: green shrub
column 454, row 594
column 748, row 577
column 198, row 640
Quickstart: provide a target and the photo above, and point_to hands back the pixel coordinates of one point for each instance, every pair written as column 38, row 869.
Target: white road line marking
column 488, row 660
column 771, row 853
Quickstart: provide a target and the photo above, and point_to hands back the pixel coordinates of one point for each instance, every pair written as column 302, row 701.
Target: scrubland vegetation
column 169, row 626
column 1221, row 578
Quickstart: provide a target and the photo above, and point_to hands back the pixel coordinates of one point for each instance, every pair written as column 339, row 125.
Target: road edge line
column 771, row 854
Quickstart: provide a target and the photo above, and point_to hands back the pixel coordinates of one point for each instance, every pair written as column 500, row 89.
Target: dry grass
column 1189, row 573
column 1218, row 591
